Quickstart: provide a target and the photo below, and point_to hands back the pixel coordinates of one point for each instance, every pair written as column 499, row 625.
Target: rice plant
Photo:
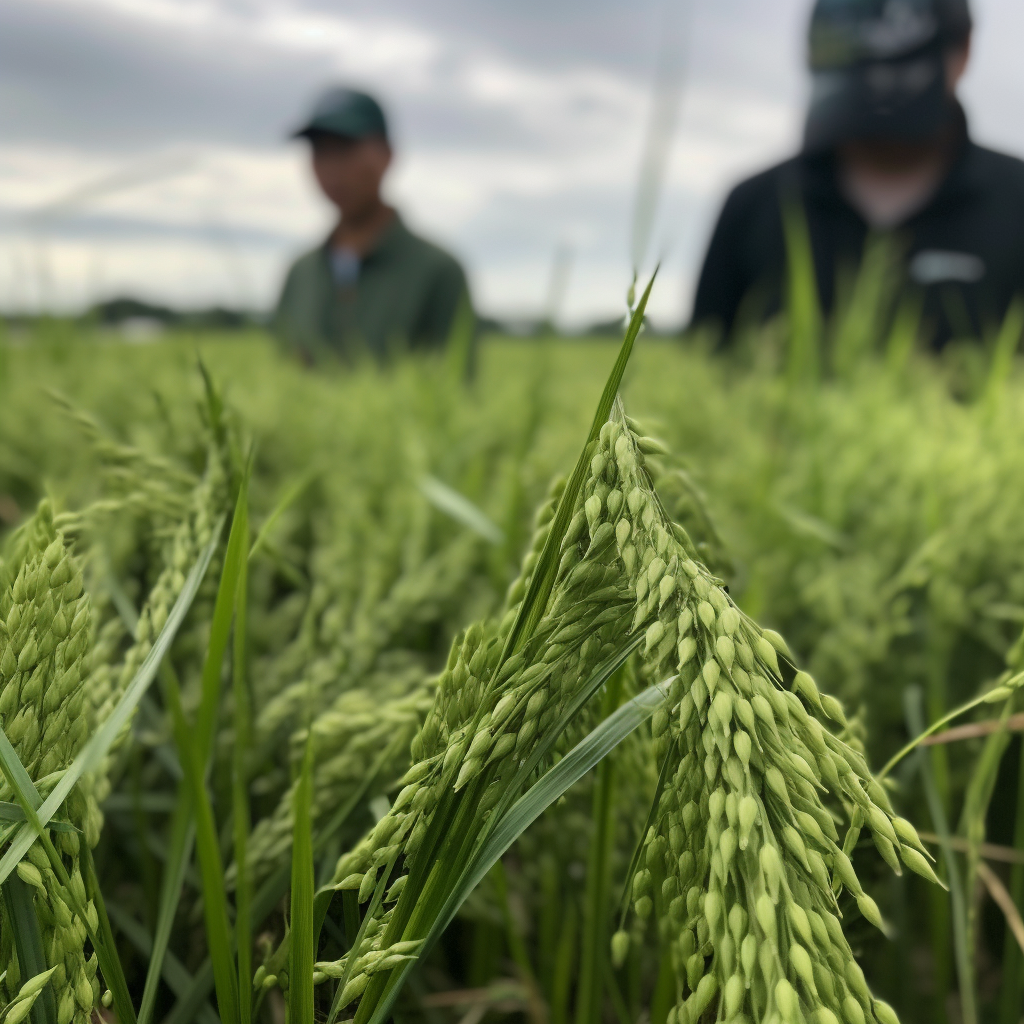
column 368, row 694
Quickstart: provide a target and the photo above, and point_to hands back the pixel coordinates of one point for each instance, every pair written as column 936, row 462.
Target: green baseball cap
column 345, row 112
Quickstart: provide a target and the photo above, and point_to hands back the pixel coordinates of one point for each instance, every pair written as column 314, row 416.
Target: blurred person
column 372, row 286
column 886, row 151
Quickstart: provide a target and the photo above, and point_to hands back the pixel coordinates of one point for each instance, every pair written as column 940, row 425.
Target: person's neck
column 358, row 232
column 888, row 182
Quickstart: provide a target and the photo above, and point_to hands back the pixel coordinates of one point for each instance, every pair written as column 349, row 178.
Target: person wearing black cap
column 886, row 151
column 372, row 286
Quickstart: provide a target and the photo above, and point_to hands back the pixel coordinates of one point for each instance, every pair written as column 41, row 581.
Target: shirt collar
column 385, row 243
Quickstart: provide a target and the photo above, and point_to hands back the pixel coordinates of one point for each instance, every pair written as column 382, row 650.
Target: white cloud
column 503, row 155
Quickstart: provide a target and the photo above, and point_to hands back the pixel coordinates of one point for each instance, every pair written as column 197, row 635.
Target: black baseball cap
column 348, row 113
column 878, row 68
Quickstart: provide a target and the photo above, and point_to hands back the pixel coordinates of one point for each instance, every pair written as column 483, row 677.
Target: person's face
column 349, row 171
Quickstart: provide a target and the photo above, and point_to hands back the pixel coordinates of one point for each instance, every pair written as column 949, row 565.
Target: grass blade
column 270, row 892
column 14, row 772
column 12, row 812
column 1002, row 355
column 1004, row 901
column 182, row 826
column 543, row 580
column 1013, row 975
column 178, row 979
column 965, row 971
column 584, row 756
column 977, row 799
column 90, row 756
column 239, row 767
column 300, row 952
column 220, row 625
column 106, row 952
column 939, row 724
column 28, row 941
column 449, row 501
column 183, row 836
column 803, row 363
column 211, row 868
column 286, row 500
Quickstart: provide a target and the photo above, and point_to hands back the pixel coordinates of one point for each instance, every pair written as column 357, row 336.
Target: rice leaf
column 558, row 780
column 182, row 825
column 90, row 756
column 803, row 305
column 301, row 953
column 14, row 771
column 460, row 345
column 12, row 812
column 965, row 970
column 182, row 838
column 447, row 500
column 1003, row 352
column 106, row 952
column 28, row 941
column 543, row 580
column 284, row 502
column 176, row 976
column 109, row 960
column 239, row 761
column 220, row 625
column 211, row 867
column 973, row 816
column 270, row 892
column 1013, row 975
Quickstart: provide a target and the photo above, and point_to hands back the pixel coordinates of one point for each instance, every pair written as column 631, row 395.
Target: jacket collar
column 384, row 244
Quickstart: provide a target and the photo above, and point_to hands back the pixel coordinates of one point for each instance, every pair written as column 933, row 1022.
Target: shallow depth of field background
column 144, row 152
column 872, row 516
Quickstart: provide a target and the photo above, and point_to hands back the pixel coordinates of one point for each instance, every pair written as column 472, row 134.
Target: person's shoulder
column 428, row 253
column 765, row 185
column 307, row 262
column 997, row 169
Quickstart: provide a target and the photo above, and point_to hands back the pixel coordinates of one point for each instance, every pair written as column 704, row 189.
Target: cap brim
column 903, row 100
column 315, row 128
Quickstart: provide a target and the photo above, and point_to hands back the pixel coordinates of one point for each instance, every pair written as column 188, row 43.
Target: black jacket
column 965, row 248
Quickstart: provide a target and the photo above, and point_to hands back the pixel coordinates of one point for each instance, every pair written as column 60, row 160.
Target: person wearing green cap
column 886, row 153
column 372, row 287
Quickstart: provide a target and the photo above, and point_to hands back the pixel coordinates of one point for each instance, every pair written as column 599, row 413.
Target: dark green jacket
column 407, row 296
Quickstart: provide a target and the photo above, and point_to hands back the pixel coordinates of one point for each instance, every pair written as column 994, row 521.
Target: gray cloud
column 519, row 124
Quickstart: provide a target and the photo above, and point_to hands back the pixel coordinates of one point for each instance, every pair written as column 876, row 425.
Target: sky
column 144, row 144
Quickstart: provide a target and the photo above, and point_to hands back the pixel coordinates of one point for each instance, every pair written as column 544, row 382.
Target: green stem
column 1013, row 963
column 934, row 728
column 548, row 928
column 561, row 981
column 28, row 941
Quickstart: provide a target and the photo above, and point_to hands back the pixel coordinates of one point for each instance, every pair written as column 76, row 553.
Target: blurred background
column 144, row 148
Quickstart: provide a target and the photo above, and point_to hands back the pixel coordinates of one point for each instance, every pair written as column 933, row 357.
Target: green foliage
column 420, row 690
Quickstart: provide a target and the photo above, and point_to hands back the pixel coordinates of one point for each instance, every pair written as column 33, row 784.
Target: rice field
column 619, row 683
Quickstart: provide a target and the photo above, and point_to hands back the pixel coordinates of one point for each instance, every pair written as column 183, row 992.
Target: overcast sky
column 144, row 143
